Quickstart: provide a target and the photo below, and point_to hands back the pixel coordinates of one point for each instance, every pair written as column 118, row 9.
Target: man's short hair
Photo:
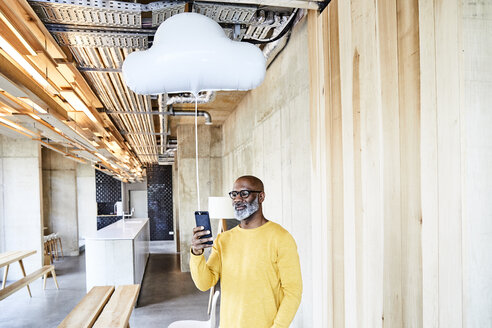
column 257, row 183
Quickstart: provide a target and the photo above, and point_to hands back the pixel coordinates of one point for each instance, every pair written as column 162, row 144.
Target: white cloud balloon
column 191, row 53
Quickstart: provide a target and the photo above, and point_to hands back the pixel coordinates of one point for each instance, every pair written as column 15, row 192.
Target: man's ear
column 261, row 197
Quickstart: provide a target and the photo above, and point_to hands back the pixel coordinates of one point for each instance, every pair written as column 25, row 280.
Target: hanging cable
column 196, row 153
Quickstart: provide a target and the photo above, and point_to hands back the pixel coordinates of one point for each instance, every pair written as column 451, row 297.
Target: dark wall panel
column 160, row 201
column 108, row 192
column 104, row 221
column 108, row 189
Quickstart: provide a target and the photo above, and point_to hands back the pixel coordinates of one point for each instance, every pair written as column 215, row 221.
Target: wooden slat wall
column 409, row 117
column 387, row 138
column 429, row 166
column 476, row 118
column 322, row 270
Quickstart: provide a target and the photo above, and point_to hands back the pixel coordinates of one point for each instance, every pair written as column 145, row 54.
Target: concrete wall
column 268, row 136
column 86, row 200
column 60, row 192
column 125, row 192
column 177, row 233
column 20, row 201
column 210, row 148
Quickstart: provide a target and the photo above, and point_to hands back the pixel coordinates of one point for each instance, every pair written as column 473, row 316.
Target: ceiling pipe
column 163, row 98
column 171, row 112
column 208, row 118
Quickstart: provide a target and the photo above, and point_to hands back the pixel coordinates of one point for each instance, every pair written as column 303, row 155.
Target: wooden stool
column 58, row 240
column 47, row 249
column 51, row 242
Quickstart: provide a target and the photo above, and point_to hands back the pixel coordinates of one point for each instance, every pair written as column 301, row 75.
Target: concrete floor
column 167, row 294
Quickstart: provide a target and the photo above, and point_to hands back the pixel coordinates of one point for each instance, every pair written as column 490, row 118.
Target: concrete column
column 210, row 148
column 20, row 201
column 59, row 174
column 86, row 200
column 176, row 205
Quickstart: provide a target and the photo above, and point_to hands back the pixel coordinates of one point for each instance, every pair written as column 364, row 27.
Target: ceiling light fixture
column 16, row 126
column 101, row 157
column 33, row 105
column 78, row 104
column 34, row 116
column 25, row 65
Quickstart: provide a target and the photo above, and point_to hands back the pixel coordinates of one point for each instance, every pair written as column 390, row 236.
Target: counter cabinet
column 118, row 253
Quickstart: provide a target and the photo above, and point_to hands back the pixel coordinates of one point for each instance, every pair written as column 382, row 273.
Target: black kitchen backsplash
column 108, row 192
column 106, row 220
column 160, row 201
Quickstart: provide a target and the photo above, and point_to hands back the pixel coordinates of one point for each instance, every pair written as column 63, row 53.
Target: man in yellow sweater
column 257, row 263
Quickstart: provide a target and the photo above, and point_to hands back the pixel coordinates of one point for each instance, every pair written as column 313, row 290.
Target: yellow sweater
column 260, row 276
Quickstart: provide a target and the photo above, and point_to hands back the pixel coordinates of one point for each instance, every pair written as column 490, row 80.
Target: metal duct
column 272, row 49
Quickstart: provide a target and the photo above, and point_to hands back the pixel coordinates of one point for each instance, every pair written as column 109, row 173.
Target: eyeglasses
column 243, row 193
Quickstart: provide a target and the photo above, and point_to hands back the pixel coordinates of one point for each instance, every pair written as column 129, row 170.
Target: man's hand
column 197, row 244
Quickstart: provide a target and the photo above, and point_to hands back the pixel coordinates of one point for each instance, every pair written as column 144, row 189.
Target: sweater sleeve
column 291, row 282
column 206, row 274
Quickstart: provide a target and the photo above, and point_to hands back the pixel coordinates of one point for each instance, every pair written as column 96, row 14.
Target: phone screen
column 202, row 219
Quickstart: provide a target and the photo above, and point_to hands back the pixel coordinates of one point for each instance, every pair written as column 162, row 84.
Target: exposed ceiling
column 78, row 47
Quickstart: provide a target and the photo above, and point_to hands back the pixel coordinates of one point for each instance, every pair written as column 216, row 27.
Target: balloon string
column 196, row 153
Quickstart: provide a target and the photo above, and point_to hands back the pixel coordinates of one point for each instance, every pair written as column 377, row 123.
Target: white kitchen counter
column 122, row 229
column 117, row 254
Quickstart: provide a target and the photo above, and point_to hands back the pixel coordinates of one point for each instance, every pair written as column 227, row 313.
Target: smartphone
column 202, row 219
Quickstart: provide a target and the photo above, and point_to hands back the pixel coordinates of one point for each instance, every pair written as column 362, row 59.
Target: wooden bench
column 14, row 256
column 104, row 307
column 23, row 282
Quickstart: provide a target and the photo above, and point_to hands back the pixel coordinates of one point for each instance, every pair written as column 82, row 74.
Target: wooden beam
column 11, row 38
column 31, row 27
column 77, row 82
column 13, row 17
column 18, row 77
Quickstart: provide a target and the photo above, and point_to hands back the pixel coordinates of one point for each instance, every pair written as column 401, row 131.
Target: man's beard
column 249, row 209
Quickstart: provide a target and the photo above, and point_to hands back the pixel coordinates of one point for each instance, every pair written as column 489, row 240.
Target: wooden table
column 14, row 256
